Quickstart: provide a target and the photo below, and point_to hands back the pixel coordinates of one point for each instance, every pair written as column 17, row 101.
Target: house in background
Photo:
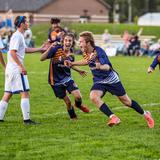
column 67, row 10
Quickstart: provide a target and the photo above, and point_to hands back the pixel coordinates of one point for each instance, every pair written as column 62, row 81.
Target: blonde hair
column 88, row 36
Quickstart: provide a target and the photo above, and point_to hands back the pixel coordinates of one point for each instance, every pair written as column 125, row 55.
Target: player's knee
column 94, row 99
column 127, row 103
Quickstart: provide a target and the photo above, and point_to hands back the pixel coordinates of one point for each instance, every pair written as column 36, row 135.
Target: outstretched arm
column 82, row 62
column 155, row 62
column 81, row 72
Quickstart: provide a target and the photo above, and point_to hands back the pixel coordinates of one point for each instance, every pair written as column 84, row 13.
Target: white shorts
column 16, row 83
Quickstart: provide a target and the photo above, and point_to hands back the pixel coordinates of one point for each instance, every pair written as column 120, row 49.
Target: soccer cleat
column 149, row 119
column 83, row 108
column 30, row 122
column 114, row 120
column 1, row 120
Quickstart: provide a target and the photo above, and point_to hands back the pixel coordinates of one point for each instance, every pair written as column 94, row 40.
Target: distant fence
column 40, row 18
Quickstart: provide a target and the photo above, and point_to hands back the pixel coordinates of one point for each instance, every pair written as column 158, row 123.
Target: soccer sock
column 105, row 109
column 72, row 113
column 3, row 108
column 137, row 107
column 25, row 107
column 78, row 103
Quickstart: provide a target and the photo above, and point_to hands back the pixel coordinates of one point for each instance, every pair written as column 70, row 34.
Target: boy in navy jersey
column 60, row 76
column 105, row 79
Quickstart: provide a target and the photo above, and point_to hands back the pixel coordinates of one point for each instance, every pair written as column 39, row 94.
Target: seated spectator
column 144, row 50
column 154, row 49
column 134, row 46
column 106, row 36
column 28, row 38
column 126, row 41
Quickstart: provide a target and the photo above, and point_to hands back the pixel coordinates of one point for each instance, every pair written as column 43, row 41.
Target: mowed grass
column 88, row 138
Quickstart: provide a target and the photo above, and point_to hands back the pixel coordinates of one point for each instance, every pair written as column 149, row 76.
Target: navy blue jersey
column 156, row 61
column 58, row 73
column 101, row 76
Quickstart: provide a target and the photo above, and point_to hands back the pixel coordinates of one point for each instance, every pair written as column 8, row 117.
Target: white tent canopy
column 149, row 19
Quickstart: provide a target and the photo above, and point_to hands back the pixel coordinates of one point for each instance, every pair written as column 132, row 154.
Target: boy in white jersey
column 15, row 74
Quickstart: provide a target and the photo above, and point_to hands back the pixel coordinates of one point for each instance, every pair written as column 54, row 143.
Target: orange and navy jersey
column 58, row 73
column 101, row 76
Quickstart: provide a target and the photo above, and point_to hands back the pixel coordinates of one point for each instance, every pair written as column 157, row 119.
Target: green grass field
column 88, row 138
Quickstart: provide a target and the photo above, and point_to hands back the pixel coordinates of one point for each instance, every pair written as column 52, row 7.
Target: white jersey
column 17, row 43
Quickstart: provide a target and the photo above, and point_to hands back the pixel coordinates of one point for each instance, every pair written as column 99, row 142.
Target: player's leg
column 4, row 104
column 96, row 95
column 133, row 104
column 70, row 108
column 73, row 89
column 60, row 92
column 78, row 101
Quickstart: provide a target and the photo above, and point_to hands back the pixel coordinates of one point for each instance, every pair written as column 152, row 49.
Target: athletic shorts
column 60, row 90
column 16, row 83
column 115, row 88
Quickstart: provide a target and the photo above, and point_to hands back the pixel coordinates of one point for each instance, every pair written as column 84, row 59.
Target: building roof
column 29, row 5
column 23, row 5
column 149, row 19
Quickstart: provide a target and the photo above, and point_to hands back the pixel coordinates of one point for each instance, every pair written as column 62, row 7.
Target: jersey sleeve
column 52, row 52
column 102, row 57
column 15, row 42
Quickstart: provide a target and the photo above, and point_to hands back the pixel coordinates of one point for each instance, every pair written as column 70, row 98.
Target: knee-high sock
column 3, row 108
column 137, row 107
column 25, row 107
column 105, row 109
column 72, row 113
column 78, row 103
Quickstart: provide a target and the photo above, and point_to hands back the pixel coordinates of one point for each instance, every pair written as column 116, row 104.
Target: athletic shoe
column 1, row 120
column 149, row 119
column 83, row 108
column 30, row 122
column 114, row 120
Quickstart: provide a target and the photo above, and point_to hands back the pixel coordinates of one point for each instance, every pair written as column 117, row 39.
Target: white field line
column 115, row 108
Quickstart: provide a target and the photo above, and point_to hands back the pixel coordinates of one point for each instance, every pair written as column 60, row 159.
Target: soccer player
column 155, row 62
column 105, row 79
column 16, row 80
column 55, row 33
column 60, row 76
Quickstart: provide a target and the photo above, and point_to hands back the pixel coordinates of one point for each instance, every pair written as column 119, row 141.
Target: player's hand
column 67, row 63
column 23, row 70
column 45, row 46
column 97, row 65
column 150, row 70
column 83, row 73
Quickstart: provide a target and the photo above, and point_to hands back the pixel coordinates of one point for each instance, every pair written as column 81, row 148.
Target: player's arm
column 2, row 61
column 82, row 62
column 15, row 58
column 100, row 66
column 155, row 62
column 81, row 72
column 102, row 63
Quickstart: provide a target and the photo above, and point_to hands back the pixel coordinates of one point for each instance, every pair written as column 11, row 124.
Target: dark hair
column 55, row 20
column 69, row 35
column 19, row 20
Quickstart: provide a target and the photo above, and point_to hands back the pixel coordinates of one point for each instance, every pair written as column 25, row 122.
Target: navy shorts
column 115, row 89
column 60, row 90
